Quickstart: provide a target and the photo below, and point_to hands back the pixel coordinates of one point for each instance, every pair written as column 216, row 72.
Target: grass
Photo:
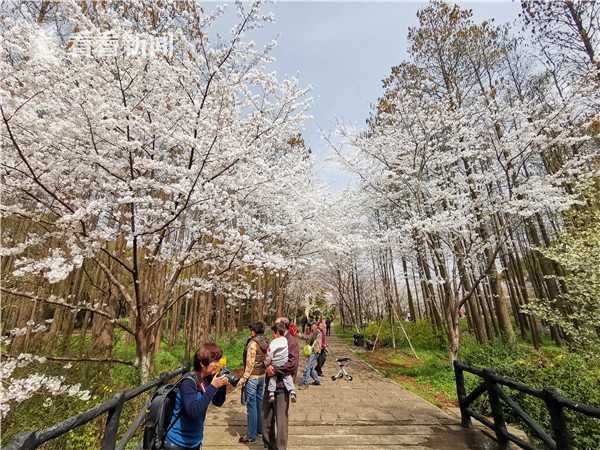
column 429, row 377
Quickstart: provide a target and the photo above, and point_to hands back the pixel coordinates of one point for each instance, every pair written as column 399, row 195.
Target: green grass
column 233, row 349
column 344, row 332
column 431, row 378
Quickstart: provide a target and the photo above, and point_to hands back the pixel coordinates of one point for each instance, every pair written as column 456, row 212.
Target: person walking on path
column 322, row 357
column 304, row 323
column 328, row 325
column 253, row 380
column 196, row 393
column 314, row 342
column 275, row 414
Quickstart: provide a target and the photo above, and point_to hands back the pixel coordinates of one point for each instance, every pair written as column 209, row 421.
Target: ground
column 371, row 412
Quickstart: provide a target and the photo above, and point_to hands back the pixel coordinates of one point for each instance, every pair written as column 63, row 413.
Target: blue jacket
column 187, row 429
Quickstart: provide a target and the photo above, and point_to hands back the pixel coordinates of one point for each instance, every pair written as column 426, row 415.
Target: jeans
column 321, row 362
column 309, row 369
column 255, row 388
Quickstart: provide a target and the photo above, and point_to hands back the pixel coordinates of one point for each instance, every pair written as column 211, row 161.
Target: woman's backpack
column 159, row 413
column 307, row 350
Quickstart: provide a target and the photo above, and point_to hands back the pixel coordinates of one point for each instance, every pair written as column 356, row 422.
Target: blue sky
column 344, row 50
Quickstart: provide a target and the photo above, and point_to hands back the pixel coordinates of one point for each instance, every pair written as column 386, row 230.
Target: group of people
column 306, row 323
column 269, row 368
column 269, row 372
column 315, row 350
column 267, row 383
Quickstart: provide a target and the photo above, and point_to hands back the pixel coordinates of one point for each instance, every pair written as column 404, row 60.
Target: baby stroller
column 342, row 362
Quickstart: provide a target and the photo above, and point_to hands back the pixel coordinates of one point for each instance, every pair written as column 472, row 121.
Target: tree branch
column 64, row 304
column 86, row 359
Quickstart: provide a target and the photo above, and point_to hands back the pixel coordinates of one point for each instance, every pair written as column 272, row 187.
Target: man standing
column 275, row 414
column 328, row 324
column 304, row 323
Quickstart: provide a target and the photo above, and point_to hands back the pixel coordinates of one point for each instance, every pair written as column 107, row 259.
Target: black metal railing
column 113, row 408
column 557, row 439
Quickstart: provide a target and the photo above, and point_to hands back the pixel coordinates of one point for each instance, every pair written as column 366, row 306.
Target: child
column 277, row 356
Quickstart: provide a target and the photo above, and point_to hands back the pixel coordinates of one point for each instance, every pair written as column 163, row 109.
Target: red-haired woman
column 193, row 398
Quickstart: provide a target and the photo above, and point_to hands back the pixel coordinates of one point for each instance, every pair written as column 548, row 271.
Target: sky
column 343, row 50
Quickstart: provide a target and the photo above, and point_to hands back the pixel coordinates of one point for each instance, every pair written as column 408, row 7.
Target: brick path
column 368, row 413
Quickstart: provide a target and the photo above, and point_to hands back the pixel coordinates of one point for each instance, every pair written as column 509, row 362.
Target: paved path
column 368, row 413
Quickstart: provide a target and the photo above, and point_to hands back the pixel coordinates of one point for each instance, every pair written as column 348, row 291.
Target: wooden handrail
column 559, row 439
column 33, row 439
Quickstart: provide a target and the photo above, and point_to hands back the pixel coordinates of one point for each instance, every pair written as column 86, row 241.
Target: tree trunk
column 411, row 306
column 145, row 346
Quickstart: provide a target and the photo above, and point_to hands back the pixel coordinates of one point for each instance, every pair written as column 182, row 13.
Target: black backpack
column 160, row 412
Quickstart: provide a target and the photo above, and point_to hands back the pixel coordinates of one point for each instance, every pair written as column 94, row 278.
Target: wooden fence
column 557, row 439
column 112, row 408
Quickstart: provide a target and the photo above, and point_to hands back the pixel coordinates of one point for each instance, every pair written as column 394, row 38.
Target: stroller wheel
column 333, row 378
column 349, row 377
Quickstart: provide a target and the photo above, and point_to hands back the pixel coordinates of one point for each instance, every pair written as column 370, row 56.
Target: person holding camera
column 253, row 380
column 196, row 393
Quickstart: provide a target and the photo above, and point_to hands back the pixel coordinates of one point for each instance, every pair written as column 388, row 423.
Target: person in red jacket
column 293, row 328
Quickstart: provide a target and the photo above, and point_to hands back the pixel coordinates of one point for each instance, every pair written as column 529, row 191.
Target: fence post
column 112, row 424
column 22, row 441
column 496, row 406
column 558, row 419
column 465, row 419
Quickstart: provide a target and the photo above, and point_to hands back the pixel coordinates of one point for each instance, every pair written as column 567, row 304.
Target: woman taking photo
column 195, row 394
column 253, row 380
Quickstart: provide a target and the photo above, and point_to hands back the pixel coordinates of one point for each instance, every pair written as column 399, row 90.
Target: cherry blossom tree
column 145, row 166
column 459, row 159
